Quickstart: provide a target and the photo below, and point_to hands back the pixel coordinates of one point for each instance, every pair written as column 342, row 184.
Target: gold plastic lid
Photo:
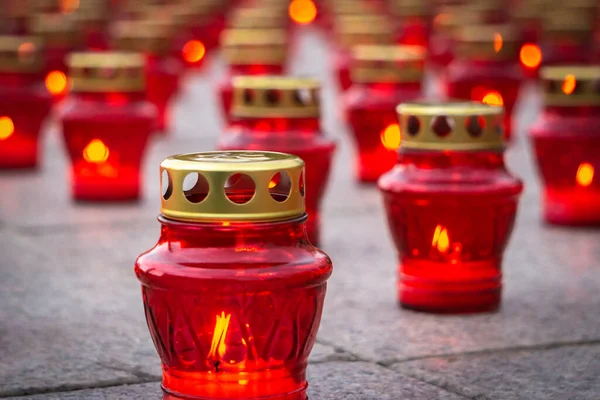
column 20, row 54
column 568, row 24
column 142, row 36
column 571, row 85
column 275, row 96
column 489, row 42
column 394, row 63
column 254, row 46
column 351, row 30
column 257, row 18
column 449, row 19
column 455, row 125
column 106, row 72
column 410, row 8
column 232, row 186
column 55, row 29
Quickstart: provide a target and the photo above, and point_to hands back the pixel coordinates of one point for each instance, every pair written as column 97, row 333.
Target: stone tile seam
column 483, row 352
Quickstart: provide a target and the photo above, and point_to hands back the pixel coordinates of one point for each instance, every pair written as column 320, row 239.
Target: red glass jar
column 566, row 139
column 355, row 30
column 24, row 102
column 162, row 70
column 233, row 291
column 486, row 68
column 415, row 18
column 282, row 114
column 451, row 206
column 106, row 123
column 250, row 52
column 383, row 76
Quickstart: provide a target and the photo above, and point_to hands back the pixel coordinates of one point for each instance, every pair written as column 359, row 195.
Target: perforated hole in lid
column 195, row 187
column 475, row 125
column 413, row 125
column 240, row 188
column 166, row 185
column 280, row 186
column 442, row 125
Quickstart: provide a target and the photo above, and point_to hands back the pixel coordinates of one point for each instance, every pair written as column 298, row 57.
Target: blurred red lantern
column 486, row 68
column 451, row 206
column 446, row 22
column 283, row 114
column 354, row 30
column 251, row 52
column 162, row 70
column 383, row 76
column 568, row 37
column 233, row 291
column 106, row 123
column 415, row 18
column 24, row 102
column 566, row 138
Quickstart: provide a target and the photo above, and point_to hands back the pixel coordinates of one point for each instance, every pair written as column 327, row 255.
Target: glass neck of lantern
column 582, row 111
column 112, row 98
column 280, row 124
column 256, row 69
column 257, row 235
column 436, row 159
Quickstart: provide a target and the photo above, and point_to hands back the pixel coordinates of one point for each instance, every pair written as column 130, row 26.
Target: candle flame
column 56, row 82
column 193, row 51
column 96, row 152
column 302, row 11
column 498, row 42
column 493, row 98
column 531, row 55
column 441, row 240
column 390, row 137
column 218, row 346
column 569, row 84
column 7, row 127
column 585, row 174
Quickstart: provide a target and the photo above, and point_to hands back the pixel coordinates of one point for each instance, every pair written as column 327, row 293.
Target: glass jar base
column 204, row 386
column 572, row 208
column 438, row 295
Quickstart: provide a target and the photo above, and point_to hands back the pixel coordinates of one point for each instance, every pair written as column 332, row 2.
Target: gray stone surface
column 568, row 372
column 327, row 381
column 70, row 307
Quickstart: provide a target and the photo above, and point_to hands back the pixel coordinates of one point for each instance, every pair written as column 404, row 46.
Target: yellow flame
column 272, row 184
column 302, row 11
column 569, row 84
column 498, row 42
column 585, row 174
column 96, row 152
column 493, row 98
column 218, row 345
column 193, row 51
column 56, row 82
column 531, row 55
column 390, row 137
column 441, row 240
column 7, row 127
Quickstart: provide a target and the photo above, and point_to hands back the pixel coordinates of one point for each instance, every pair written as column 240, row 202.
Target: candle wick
column 217, row 363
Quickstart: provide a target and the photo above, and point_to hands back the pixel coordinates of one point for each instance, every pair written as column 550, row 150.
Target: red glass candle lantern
column 451, row 206
column 250, row 52
column 486, row 68
column 415, row 17
column 162, row 70
column 568, row 38
column 233, row 291
column 92, row 16
column 446, row 22
column 383, row 76
column 282, row 114
column 24, row 102
column 61, row 35
column 566, row 138
column 355, row 30
column 106, row 123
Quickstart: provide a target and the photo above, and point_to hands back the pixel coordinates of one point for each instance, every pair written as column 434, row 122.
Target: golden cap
column 455, row 125
column 449, row 19
column 55, row 29
column 410, row 8
column 20, row 54
column 488, row 42
column 106, row 72
column 144, row 36
column 254, row 46
column 275, row 96
column 351, row 7
column 257, row 18
column 571, row 85
column 393, row 63
column 568, row 24
column 232, row 186
column 352, row 30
